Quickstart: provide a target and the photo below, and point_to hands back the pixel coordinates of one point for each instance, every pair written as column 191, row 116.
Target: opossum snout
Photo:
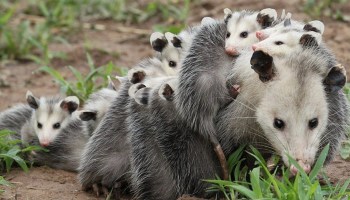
column 44, row 143
column 231, row 51
column 305, row 166
column 260, row 35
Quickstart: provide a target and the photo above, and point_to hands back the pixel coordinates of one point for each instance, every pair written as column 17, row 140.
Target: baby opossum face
column 240, row 33
column 293, row 115
column 51, row 116
column 171, row 60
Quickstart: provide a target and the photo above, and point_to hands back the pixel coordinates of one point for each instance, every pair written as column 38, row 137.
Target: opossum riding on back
column 203, row 88
column 105, row 161
column 297, row 101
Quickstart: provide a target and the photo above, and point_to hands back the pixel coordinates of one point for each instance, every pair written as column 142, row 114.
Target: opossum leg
column 221, row 156
column 95, row 189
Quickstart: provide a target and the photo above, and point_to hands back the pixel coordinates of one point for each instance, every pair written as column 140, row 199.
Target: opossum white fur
column 96, row 107
column 296, row 95
column 242, row 27
column 49, row 117
column 288, row 39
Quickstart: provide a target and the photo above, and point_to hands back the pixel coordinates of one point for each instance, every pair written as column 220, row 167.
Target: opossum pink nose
column 44, row 143
column 305, row 167
column 231, row 51
column 254, row 47
column 260, row 35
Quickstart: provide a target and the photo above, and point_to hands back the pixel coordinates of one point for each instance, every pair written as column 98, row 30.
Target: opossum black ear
column 307, row 40
column 266, row 17
column 87, row 115
column 315, row 26
column 166, row 92
column 32, row 100
column 173, row 39
column 263, row 65
column 335, row 79
column 70, row 104
column 158, row 41
column 142, row 95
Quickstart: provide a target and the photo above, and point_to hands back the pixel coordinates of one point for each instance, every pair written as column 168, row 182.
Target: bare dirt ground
column 46, row 183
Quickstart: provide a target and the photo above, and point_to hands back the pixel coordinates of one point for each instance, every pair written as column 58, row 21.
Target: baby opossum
column 105, row 159
column 96, row 107
column 242, row 27
column 49, row 116
column 294, row 99
column 167, row 156
column 50, row 123
column 203, row 88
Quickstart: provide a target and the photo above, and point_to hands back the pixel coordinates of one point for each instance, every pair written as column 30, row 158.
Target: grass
column 329, row 8
column 263, row 184
column 54, row 19
column 11, row 153
column 85, row 84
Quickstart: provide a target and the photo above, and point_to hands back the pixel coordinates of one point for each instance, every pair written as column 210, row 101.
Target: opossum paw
column 136, row 75
column 99, row 189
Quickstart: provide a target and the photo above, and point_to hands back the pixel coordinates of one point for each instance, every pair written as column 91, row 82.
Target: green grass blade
column 319, row 163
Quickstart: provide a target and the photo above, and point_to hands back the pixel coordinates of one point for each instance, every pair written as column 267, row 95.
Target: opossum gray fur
column 105, row 159
column 203, row 77
column 167, row 155
column 96, row 107
column 14, row 118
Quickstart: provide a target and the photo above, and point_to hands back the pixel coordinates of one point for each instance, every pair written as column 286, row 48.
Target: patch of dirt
column 127, row 49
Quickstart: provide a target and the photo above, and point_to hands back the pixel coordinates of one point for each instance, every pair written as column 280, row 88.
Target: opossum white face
column 285, row 40
column 51, row 116
column 293, row 115
column 170, row 46
column 242, row 27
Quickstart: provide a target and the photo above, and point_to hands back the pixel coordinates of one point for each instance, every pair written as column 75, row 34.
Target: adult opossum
column 289, row 105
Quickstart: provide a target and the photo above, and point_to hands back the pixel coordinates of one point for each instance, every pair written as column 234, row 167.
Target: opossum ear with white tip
column 87, row 115
column 308, row 40
column 70, row 104
column 315, row 26
column 207, row 21
column 173, row 39
column 262, row 64
column 158, row 41
column 335, row 79
column 228, row 15
column 266, row 17
column 33, row 102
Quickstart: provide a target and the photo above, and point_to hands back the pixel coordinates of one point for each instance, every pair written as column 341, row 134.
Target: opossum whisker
column 253, row 109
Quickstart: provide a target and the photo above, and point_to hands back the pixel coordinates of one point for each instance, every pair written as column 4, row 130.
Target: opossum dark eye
column 278, row 124
column 56, row 126
column 244, row 34
column 313, row 123
column 228, row 34
column 172, row 64
column 39, row 125
column 279, row 43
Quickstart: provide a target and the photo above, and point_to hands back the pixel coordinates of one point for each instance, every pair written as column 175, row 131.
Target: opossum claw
column 95, row 189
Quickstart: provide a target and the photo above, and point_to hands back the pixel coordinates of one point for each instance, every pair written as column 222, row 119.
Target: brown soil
column 16, row 78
